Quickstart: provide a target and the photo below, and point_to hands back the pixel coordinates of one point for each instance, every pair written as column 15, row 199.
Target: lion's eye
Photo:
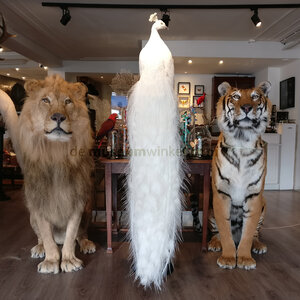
column 68, row 101
column 46, row 100
column 255, row 97
column 236, row 97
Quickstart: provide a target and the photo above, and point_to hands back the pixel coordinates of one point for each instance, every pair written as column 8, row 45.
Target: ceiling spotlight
column 1, row 49
column 23, row 77
column 101, row 77
column 221, row 62
column 66, row 17
column 7, row 74
column 17, row 69
column 255, row 18
column 166, row 17
column 190, row 61
column 185, row 72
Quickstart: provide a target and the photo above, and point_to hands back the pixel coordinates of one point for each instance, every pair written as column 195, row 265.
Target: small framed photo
column 195, row 99
column 199, row 89
column 184, row 101
column 183, row 88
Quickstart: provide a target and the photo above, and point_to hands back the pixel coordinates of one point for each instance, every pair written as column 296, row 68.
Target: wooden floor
column 196, row 274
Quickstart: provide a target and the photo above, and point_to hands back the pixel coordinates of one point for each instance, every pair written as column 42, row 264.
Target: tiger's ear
column 223, row 88
column 265, row 87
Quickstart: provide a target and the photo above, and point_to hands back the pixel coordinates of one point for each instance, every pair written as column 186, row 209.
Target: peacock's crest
column 153, row 17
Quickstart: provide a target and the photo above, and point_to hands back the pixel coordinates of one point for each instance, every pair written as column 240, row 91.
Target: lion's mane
column 57, row 174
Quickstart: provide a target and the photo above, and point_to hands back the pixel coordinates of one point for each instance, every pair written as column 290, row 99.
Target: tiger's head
column 243, row 114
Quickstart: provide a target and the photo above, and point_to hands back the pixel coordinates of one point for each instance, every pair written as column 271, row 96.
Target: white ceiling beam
column 100, row 66
column 233, row 49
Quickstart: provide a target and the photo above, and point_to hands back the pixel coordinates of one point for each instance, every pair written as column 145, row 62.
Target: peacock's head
column 158, row 24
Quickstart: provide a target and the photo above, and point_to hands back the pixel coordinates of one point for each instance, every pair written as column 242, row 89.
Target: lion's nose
column 58, row 118
column 246, row 108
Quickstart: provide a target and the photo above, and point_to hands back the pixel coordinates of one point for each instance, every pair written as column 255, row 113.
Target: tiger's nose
column 57, row 117
column 246, row 108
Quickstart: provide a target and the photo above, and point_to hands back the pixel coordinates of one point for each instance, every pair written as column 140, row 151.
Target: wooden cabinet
column 239, row 82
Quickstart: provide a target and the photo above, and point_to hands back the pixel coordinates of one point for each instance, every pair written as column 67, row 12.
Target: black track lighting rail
column 164, row 7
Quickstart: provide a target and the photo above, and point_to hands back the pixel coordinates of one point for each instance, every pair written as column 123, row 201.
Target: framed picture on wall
column 199, row 89
column 184, row 101
column 183, row 88
column 195, row 100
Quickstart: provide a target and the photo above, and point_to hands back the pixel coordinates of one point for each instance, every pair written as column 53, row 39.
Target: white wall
column 274, row 78
column 272, row 75
column 260, row 76
column 293, row 70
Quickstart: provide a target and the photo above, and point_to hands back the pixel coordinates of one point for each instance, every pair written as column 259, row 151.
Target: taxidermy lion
column 52, row 138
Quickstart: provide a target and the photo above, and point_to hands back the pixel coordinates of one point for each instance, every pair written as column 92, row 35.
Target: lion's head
column 54, row 119
column 243, row 113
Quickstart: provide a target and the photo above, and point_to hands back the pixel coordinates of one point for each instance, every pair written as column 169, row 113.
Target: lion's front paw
column 48, row 266
column 38, row 251
column 71, row 264
column 87, row 246
column 214, row 244
column 259, row 247
column 226, row 262
column 246, row 263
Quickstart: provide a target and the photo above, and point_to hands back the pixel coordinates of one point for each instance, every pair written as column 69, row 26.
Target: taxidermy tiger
column 52, row 138
column 238, row 174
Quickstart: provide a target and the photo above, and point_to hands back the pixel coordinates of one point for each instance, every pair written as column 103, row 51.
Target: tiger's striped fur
column 238, row 174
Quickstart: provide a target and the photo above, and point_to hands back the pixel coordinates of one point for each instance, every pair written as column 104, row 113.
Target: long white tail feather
column 8, row 111
column 155, row 169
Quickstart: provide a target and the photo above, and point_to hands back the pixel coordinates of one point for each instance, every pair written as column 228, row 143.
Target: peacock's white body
column 155, row 169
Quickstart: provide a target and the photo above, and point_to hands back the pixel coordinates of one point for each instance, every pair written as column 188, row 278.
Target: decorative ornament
column 123, row 82
column 201, row 99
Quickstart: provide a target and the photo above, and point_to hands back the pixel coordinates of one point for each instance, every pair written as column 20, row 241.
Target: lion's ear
column 79, row 90
column 32, row 85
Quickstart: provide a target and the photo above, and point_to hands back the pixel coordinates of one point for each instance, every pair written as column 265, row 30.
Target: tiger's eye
column 255, row 97
column 236, row 97
column 68, row 101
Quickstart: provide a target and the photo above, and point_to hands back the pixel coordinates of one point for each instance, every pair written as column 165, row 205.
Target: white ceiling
column 116, row 34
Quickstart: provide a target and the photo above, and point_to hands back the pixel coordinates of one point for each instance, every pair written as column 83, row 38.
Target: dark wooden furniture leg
column 108, row 196
column 115, row 202
column 206, row 191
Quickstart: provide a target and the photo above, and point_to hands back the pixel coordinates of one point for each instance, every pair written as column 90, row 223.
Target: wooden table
column 114, row 167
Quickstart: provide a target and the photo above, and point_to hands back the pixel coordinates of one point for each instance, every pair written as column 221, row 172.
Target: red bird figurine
column 106, row 127
column 201, row 99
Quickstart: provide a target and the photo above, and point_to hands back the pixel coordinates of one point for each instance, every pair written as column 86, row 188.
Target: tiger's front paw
column 48, row 266
column 214, row 244
column 87, row 246
column 38, row 251
column 226, row 262
column 247, row 263
column 259, row 247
